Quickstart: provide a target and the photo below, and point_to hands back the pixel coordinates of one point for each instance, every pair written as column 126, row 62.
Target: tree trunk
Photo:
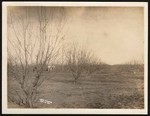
column 29, row 97
column 29, row 101
column 75, row 80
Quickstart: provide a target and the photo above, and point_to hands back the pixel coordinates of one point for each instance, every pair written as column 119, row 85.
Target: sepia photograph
column 65, row 57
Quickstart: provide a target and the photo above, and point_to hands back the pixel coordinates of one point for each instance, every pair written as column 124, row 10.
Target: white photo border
column 6, row 110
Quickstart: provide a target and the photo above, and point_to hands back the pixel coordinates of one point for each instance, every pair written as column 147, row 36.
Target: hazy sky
column 115, row 34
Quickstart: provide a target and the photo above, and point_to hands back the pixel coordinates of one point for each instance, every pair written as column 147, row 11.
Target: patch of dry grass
column 100, row 90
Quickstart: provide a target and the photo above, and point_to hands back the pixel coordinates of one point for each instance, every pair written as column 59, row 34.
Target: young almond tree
column 92, row 65
column 34, row 39
column 135, row 66
column 79, row 60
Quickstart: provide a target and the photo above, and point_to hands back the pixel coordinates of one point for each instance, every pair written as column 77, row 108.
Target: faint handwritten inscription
column 45, row 101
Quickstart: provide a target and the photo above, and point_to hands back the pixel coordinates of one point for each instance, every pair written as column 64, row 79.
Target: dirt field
column 104, row 89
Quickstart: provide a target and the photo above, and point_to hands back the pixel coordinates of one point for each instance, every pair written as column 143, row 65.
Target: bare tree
column 80, row 60
column 92, row 65
column 135, row 66
column 32, row 48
